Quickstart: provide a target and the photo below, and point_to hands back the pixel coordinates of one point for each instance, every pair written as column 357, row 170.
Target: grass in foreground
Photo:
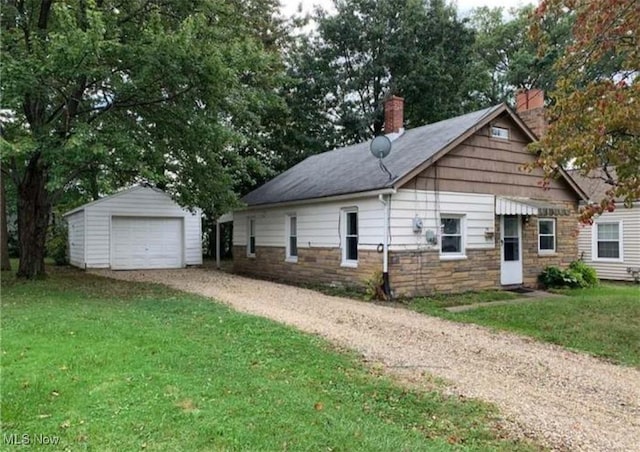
column 110, row 365
column 603, row 321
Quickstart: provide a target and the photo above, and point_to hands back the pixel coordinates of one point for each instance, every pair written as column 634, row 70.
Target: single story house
column 449, row 209
column 137, row 228
column 611, row 245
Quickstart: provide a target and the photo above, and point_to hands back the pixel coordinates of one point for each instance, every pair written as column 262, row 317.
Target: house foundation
column 415, row 272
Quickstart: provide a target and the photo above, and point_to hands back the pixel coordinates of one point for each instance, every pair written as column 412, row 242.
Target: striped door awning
column 528, row 206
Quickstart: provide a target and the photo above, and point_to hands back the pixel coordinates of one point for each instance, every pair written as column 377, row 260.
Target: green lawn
column 108, row 365
column 603, row 321
column 436, row 303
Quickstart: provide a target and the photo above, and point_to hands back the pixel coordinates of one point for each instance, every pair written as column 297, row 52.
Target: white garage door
column 142, row 242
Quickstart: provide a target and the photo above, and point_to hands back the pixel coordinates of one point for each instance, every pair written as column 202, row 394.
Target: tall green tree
column 506, row 55
column 109, row 92
column 307, row 127
column 370, row 49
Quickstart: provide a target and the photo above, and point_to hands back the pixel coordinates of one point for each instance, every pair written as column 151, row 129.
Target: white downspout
column 385, row 245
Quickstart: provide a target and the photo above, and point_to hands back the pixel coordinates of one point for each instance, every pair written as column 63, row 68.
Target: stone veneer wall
column 315, row 265
column 566, row 247
column 414, row 273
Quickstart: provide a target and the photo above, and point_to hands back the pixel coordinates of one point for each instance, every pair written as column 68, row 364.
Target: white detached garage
column 138, row 228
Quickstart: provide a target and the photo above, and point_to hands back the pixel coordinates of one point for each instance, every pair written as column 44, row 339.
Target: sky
column 289, row 7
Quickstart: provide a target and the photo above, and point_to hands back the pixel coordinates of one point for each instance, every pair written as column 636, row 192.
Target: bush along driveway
column 564, row 399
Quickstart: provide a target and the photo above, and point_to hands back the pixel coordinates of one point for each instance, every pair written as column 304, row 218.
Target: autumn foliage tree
column 594, row 118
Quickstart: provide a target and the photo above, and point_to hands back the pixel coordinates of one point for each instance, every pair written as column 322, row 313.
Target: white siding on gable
column 76, row 234
column 318, row 224
column 140, row 202
column 477, row 209
column 630, row 219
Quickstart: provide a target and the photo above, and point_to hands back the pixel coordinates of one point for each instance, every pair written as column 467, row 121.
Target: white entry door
column 511, row 254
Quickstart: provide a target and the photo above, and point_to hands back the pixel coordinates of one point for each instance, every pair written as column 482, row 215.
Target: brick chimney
column 530, row 108
column 394, row 115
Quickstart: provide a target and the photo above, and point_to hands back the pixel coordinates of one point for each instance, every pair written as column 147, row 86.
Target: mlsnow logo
column 25, row 439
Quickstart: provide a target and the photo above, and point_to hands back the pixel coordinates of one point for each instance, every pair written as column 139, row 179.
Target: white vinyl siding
column 478, row 210
column 76, row 233
column 141, row 202
column 629, row 219
column 318, row 224
column 546, row 235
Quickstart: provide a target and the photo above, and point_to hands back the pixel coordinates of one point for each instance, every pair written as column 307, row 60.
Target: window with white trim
column 546, row 235
column 292, row 238
column 251, row 237
column 350, row 237
column 452, row 240
column 499, row 132
column 607, row 243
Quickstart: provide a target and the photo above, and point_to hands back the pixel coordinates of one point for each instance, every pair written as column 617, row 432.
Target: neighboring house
column 611, row 244
column 458, row 212
column 137, row 228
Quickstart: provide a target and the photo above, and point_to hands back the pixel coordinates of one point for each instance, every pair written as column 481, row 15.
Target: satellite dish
column 380, row 146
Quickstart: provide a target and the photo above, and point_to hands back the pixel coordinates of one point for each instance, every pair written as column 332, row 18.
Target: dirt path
column 566, row 400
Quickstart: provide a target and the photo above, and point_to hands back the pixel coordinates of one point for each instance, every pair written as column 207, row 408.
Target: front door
column 511, row 259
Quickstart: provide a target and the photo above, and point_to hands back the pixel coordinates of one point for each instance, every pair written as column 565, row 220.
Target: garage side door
column 142, row 242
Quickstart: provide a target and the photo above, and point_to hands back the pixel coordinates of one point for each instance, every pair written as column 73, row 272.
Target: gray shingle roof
column 353, row 169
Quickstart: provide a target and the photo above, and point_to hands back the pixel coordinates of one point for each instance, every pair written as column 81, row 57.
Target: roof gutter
column 576, row 187
column 619, row 204
column 362, row 194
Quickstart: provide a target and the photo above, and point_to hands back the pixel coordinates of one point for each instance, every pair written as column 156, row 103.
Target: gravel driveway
column 565, row 400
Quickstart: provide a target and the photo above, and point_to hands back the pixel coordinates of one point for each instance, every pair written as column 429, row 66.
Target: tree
column 371, row 49
column 307, row 127
column 595, row 115
column 5, row 263
column 507, row 58
column 103, row 93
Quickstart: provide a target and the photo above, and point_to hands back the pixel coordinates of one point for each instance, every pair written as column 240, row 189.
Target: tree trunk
column 5, row 263
column 34, row 209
